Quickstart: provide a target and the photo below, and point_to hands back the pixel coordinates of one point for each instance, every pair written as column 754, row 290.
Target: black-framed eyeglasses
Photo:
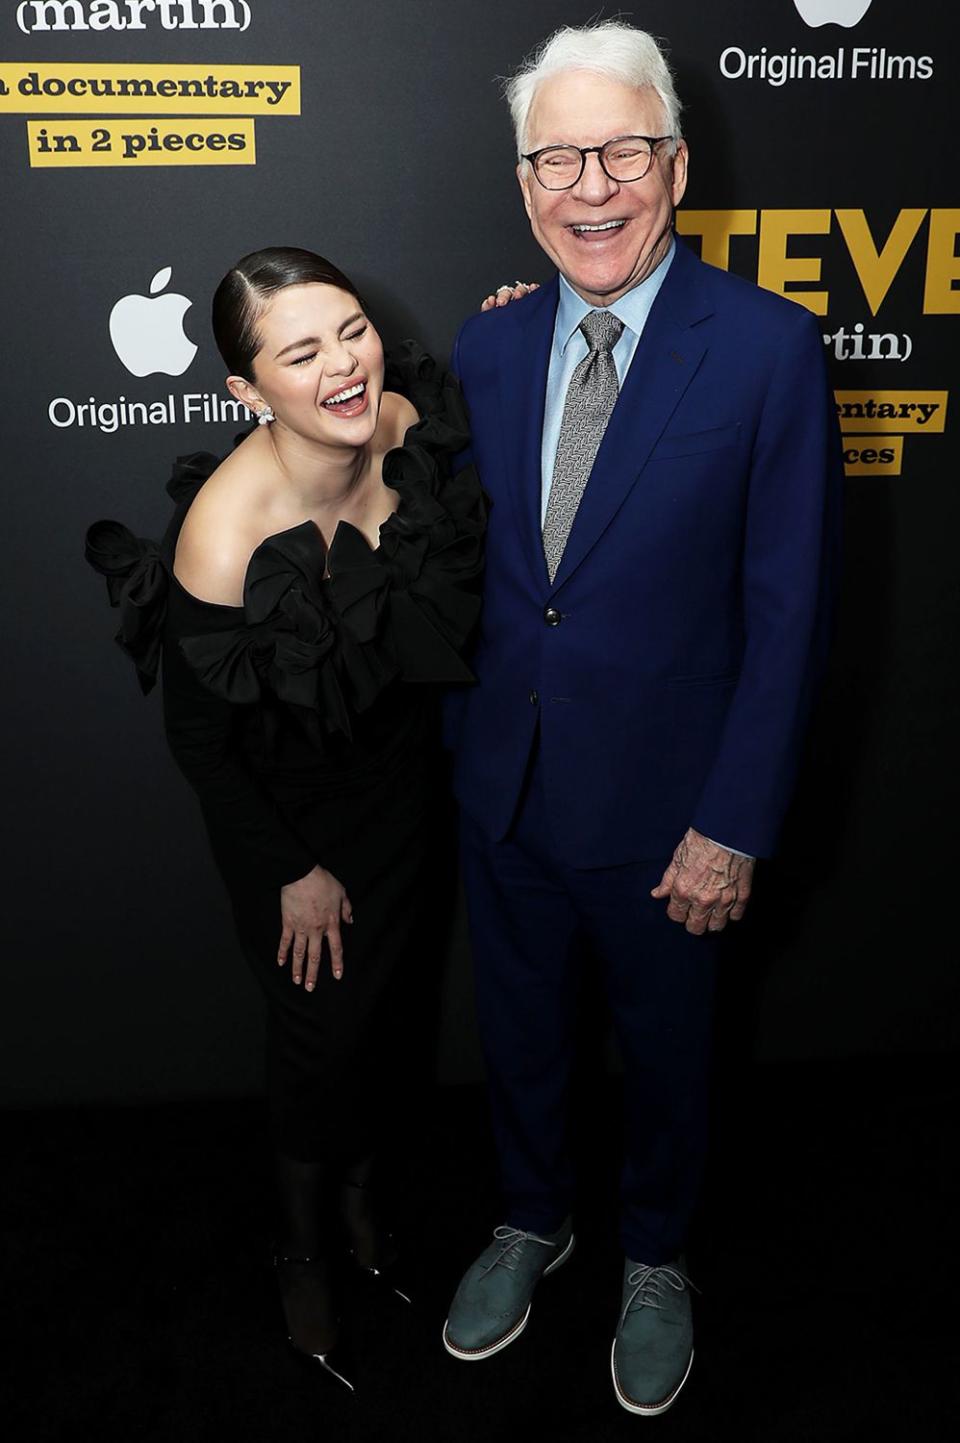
column 625, row 158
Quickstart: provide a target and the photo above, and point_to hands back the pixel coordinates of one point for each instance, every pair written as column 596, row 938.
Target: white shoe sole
column 646, row 1410
column 476, row 1355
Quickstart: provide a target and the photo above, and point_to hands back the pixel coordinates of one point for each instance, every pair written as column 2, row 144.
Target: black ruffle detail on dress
column 286, row 640
column 189, row 473
column 137, row 584
column 328, row 647
column 415, row 600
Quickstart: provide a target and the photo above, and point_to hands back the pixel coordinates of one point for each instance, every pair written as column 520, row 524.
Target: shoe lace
column 648, row 1283
column 511, row 1241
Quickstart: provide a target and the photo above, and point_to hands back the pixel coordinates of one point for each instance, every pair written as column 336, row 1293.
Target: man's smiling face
column 580, row 107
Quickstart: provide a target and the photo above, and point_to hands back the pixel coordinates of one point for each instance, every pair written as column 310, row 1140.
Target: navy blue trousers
column 534, row 922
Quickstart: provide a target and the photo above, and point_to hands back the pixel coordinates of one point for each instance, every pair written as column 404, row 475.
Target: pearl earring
column 265, row 416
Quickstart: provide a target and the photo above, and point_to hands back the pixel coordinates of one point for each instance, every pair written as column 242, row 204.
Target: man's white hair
column 608, row 47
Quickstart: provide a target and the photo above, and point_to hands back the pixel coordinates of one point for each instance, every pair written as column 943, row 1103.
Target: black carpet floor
column 139, row 1303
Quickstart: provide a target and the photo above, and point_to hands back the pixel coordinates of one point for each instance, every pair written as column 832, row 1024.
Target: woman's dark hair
column 240, row 297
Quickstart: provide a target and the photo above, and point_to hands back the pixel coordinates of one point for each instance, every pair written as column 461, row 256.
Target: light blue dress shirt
column 568, row 350
column 570, row 346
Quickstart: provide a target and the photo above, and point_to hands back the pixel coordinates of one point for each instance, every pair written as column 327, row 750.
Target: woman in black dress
column 311, row 593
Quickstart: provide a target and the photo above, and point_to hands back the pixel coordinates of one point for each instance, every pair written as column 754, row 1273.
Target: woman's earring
column 266, row 416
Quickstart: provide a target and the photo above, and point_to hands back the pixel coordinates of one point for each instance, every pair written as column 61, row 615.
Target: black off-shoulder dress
column 303, row 720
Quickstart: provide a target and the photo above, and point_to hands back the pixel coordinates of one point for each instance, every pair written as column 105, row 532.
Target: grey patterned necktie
column 591, row 397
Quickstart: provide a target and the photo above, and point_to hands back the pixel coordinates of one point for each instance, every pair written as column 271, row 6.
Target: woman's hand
column 503, row 295
column 312, row 909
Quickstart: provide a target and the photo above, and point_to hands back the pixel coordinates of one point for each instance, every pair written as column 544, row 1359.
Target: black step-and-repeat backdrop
column 148, row 143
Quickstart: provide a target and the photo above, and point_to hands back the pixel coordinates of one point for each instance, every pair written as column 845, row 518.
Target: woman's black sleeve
column 252, row 842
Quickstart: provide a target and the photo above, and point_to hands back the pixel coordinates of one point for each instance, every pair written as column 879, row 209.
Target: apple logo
column 833, row 12
column 148, row 335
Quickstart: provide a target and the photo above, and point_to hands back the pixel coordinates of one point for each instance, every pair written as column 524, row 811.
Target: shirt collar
column 632, row 309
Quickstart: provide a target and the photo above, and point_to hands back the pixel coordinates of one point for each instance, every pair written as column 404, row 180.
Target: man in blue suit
column 660, row 447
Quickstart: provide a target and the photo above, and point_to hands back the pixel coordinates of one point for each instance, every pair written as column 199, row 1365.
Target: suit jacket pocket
column 693, row 443
column 714, row 678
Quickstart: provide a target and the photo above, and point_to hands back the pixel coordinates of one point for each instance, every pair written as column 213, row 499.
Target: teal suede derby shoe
column 653, row 1348
column 492, row 1304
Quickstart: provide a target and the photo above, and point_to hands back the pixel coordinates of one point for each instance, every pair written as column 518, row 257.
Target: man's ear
column 246, row 393
column 524, row 174
column 680, row 167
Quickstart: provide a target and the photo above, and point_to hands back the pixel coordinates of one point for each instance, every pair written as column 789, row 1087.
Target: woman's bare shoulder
column 218, row 534
column 397, row 415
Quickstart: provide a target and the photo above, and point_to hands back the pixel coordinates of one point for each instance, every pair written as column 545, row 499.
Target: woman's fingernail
column 310, row 986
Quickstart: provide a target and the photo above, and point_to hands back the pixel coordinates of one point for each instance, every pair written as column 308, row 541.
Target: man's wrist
column 747, row 856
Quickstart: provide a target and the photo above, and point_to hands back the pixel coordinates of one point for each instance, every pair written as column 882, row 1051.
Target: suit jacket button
column 534, row 698
column 551, row 616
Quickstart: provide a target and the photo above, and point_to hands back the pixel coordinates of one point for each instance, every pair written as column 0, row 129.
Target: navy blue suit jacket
column 694, row 592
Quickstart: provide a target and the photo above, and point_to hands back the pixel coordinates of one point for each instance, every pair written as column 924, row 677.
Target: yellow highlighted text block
column 135, row 143
column 892, row 410
column 872, row 455
column 134, row 89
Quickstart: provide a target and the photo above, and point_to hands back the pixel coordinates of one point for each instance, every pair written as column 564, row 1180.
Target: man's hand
column 312, row 909
column 707, row 885
column 503, row 295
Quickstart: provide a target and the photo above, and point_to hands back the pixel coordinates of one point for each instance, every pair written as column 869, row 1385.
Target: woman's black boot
column 305, row 1273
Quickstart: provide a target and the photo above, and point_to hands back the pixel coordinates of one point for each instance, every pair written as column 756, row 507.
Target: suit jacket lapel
column 523, row 387
column 665, row 363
